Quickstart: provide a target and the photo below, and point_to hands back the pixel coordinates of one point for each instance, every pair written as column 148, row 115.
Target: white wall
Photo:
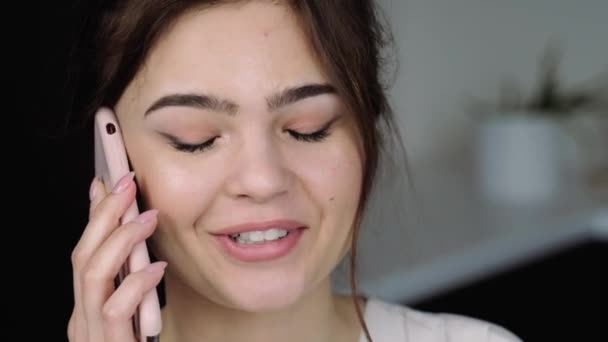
column 450, row 50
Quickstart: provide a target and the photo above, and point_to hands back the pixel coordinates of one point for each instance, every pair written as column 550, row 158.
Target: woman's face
column 215, row 124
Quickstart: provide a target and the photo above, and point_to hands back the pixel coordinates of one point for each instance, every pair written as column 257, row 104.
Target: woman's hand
column 103, row 313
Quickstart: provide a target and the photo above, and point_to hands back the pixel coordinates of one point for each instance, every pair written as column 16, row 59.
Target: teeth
column 256, row 236
column 259, row 236
column 271, row 234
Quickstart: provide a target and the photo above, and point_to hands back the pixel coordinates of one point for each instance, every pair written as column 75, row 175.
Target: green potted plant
column 525, row 145
column 550, row 97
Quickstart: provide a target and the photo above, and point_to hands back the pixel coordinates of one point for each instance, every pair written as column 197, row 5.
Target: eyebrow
column 200, row 101
column 295, row 94
column 210, row 102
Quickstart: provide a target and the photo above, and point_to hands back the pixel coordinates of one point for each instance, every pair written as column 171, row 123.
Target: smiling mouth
column 260, row 245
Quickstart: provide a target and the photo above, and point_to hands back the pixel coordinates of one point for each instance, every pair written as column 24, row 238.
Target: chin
column 266, row 295
column 266, row 302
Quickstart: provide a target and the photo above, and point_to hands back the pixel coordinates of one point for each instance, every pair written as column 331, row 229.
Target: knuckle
column 77, row 258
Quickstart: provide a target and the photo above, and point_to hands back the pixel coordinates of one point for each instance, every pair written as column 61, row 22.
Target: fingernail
column 156, row 267
column 124, row 183
column 93, row 188
column 146, row 216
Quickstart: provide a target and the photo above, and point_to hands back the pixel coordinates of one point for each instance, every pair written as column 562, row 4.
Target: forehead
column 251, row 44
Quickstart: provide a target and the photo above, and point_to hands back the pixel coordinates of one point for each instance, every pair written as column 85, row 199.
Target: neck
column 319, row 316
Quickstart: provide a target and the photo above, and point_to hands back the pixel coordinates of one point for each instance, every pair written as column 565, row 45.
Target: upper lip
column 265, row 225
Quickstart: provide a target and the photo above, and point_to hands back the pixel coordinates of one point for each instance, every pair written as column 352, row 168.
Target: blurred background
column 502, row 211
column 503, row 110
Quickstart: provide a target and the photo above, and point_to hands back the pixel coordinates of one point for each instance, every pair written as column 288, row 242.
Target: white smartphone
column 111, row 164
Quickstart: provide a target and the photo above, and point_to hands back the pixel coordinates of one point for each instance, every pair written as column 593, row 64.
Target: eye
column 317, row 136
column 192, row 148
column 310, row 137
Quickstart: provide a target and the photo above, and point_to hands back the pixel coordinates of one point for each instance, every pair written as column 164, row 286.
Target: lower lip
column 265, row 251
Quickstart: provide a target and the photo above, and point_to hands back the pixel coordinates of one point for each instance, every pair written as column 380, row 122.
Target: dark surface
column 562, row 297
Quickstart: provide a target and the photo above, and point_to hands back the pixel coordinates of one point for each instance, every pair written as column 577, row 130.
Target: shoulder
column 394, row 322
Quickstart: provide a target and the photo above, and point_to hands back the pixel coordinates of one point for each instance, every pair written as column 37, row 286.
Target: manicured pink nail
column 146, row 216
column 124, row 183
column 156, row 267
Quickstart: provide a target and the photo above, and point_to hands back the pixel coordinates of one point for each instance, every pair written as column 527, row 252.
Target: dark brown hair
column 347, row 36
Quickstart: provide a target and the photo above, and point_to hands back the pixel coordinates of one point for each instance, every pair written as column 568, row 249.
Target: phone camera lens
column 110, row 128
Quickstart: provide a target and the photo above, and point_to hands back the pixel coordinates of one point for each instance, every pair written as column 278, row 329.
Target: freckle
column 331, row 199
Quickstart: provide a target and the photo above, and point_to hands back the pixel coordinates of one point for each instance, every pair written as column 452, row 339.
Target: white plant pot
column 518, row 159
column 589, row 134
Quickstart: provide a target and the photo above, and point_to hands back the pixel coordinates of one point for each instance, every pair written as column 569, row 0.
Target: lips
column 264, row 250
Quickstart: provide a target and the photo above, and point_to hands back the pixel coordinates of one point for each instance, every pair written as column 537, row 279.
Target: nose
column 259, row 172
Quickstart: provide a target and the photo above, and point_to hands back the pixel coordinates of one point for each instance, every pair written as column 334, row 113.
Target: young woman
column 253, row 130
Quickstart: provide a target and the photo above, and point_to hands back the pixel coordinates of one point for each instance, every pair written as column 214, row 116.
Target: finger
column 76, row 325
column 104, row 222
column 118, row 311
column 100, row 192
column 73, row 327
column 104, row 219
column 97, row 281
column 97, row 192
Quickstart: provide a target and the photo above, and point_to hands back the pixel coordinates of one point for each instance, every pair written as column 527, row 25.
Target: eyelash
column 192, row 148
column 317, row 136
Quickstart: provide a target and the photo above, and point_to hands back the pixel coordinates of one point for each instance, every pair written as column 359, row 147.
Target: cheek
column 178, row 189
column 332, row 175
